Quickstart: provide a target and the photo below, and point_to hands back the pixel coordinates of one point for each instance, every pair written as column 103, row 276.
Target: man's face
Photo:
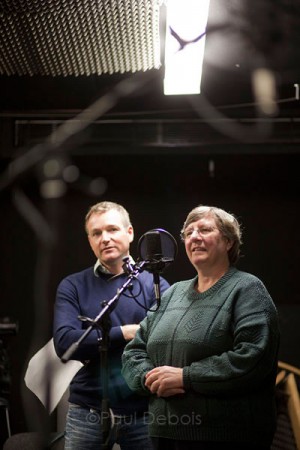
column 109, row 238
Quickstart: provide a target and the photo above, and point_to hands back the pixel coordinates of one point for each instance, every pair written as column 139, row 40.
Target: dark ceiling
column 59, row 58
column 49, row 60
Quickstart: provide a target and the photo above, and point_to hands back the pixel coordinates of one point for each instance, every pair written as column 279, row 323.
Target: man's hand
column 165, row 381
column 129, row 331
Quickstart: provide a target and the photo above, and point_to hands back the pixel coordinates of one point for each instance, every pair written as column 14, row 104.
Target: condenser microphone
column 153, row 246
column 154, row 257
column 157, row 249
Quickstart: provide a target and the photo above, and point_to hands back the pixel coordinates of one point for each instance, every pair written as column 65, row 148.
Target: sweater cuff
column 186, row 378
column 116, row 335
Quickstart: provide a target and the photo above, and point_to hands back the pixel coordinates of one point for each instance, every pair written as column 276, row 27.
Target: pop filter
column 157, row 248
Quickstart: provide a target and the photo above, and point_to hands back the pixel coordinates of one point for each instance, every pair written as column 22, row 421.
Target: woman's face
column 205, row 245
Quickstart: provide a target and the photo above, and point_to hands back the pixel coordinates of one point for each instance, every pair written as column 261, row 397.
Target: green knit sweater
column 226, row 340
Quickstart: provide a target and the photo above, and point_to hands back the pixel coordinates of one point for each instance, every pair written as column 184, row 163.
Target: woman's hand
column 165, row 381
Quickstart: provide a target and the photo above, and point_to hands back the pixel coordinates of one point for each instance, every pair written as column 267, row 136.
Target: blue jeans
column 84, row 431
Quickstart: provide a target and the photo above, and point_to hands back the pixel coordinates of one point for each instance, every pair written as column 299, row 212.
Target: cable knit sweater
column 226, row 340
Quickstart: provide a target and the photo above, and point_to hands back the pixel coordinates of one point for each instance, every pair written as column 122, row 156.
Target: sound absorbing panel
column 78, row 37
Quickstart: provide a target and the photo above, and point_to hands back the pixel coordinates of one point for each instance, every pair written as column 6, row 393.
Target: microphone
column 157, row 248
column 153, row 248
column 154, row 256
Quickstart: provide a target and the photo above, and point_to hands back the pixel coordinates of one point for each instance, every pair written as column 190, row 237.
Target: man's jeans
column 84, row 431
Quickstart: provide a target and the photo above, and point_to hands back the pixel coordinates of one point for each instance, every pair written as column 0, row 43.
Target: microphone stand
column 102, row 320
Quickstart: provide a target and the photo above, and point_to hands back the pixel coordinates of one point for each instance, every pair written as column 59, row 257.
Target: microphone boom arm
column 108, row 306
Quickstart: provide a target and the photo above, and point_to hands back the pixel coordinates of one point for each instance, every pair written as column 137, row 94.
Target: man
column 110, row 233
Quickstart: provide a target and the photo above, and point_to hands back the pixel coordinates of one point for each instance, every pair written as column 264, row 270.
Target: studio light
column 184, row 45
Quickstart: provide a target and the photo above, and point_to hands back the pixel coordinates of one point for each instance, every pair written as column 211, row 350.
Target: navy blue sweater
column 82, row 294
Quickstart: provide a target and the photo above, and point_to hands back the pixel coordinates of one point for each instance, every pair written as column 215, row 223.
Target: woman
column 208, row 357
